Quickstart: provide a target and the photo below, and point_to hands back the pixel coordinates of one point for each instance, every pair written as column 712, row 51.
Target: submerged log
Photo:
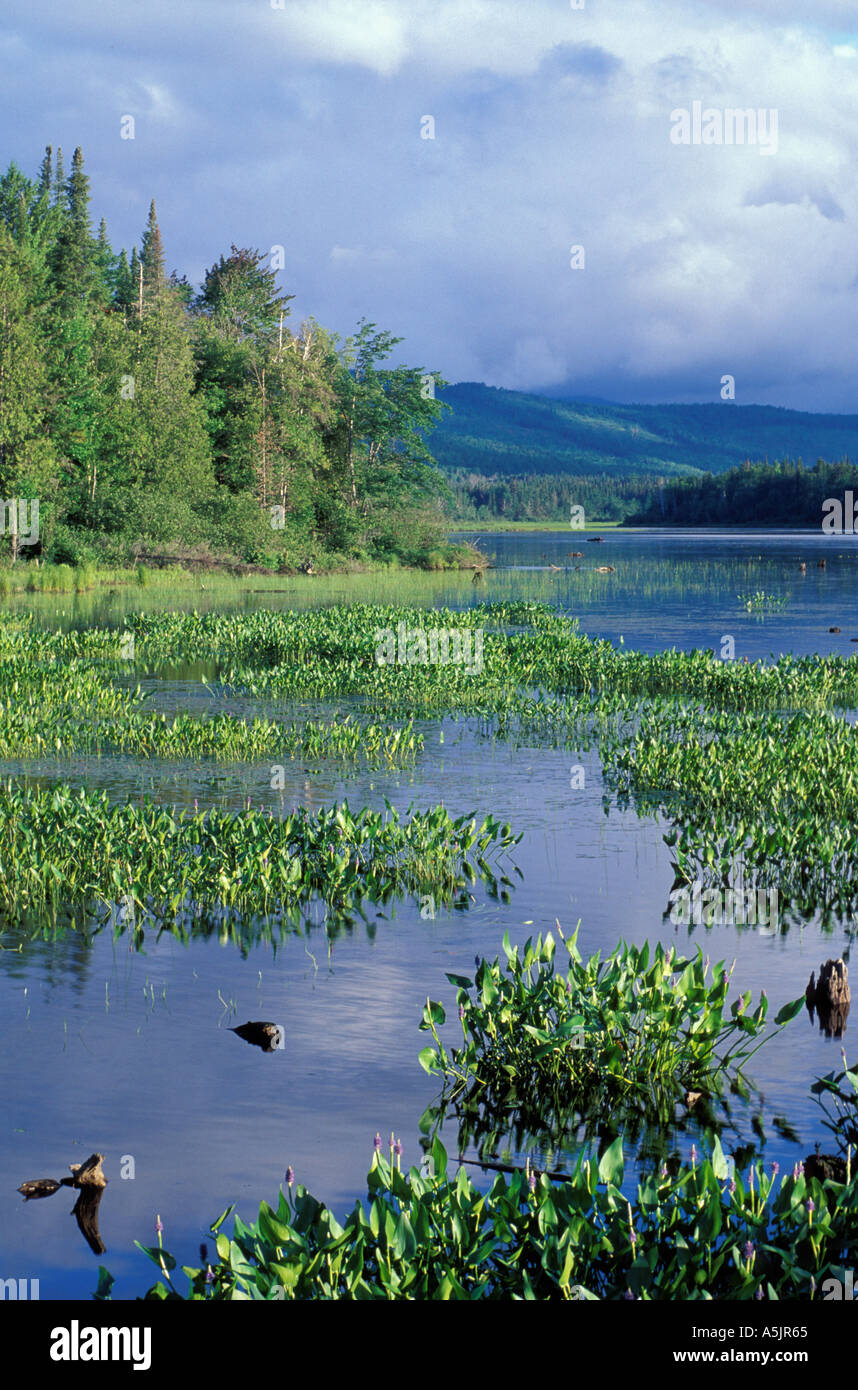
column 830, row 997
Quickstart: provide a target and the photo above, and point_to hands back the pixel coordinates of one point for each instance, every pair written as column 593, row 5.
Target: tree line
column 783, row 493
column 545, row 496
column 143, row 412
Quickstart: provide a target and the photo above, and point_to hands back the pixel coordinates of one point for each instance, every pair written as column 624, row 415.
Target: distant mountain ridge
column 494, row 431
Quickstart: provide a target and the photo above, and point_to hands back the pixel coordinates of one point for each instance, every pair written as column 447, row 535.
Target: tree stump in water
column 90, row 1181
column 830, row 996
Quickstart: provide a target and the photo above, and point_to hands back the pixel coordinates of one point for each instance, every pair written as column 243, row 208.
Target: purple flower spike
column 811, row 1205
column 532, row 1181
column 290, row 1175
column 376, row 1144
column 732, row 1187
column 209, row 1275
column 748, row 1251
column 158, row 1226
column 759, row 1292
column 461, row 1012
column 629, row 1295
column 397, row 1148
column 776, row 1168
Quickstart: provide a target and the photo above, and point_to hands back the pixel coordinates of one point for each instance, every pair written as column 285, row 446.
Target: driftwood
column 830, row 997
column 90, row 1181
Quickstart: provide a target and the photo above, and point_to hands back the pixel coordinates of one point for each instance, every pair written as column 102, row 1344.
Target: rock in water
column 268, row 1036
column 39, row 1187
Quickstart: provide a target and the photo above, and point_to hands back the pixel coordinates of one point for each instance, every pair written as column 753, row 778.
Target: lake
column 131, row 1054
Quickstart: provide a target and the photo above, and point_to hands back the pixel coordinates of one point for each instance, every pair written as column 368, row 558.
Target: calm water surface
column 131, row 1054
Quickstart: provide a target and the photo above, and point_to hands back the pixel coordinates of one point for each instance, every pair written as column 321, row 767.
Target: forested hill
column 491, row 431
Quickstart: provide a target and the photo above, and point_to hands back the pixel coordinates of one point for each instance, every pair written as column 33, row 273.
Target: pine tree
column 152, row 257
column 74, row 260
column 134, row 274
column 77, row 194
column 106, row 265
column 45, row 173
column 59, row 180
column 124, row 296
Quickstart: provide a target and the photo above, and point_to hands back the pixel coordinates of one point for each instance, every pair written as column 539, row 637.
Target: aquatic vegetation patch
column 775, row 794
column 76, row 706
column 704, row 1232
column 631, row 1031
column 60, row 848
column 528, row 648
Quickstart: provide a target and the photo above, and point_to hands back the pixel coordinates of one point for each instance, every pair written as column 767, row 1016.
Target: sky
column 303, row 124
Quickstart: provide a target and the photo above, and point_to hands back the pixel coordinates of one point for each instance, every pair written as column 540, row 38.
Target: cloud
column 302, row 127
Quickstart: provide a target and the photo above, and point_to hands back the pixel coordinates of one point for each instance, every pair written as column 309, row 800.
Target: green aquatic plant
column 761, row 601
column 633, row 1031
column 704, row 1232
column 837, row 1095
column 60, row 848
column 778, row 794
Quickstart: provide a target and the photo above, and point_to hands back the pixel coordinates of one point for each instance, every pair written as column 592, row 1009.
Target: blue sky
column 300, row 126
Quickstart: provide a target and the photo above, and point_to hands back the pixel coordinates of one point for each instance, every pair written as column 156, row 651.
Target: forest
column 784, row 493
column 152, row 418
column 546, row 496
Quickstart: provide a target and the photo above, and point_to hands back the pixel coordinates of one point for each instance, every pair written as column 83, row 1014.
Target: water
column 131, row 1054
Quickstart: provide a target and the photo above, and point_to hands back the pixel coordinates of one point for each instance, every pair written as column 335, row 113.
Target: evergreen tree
column 135, row 272
column 124, row 296
column 74, row 263
column 59, row 180
column 152, row 257
column 45, row 173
